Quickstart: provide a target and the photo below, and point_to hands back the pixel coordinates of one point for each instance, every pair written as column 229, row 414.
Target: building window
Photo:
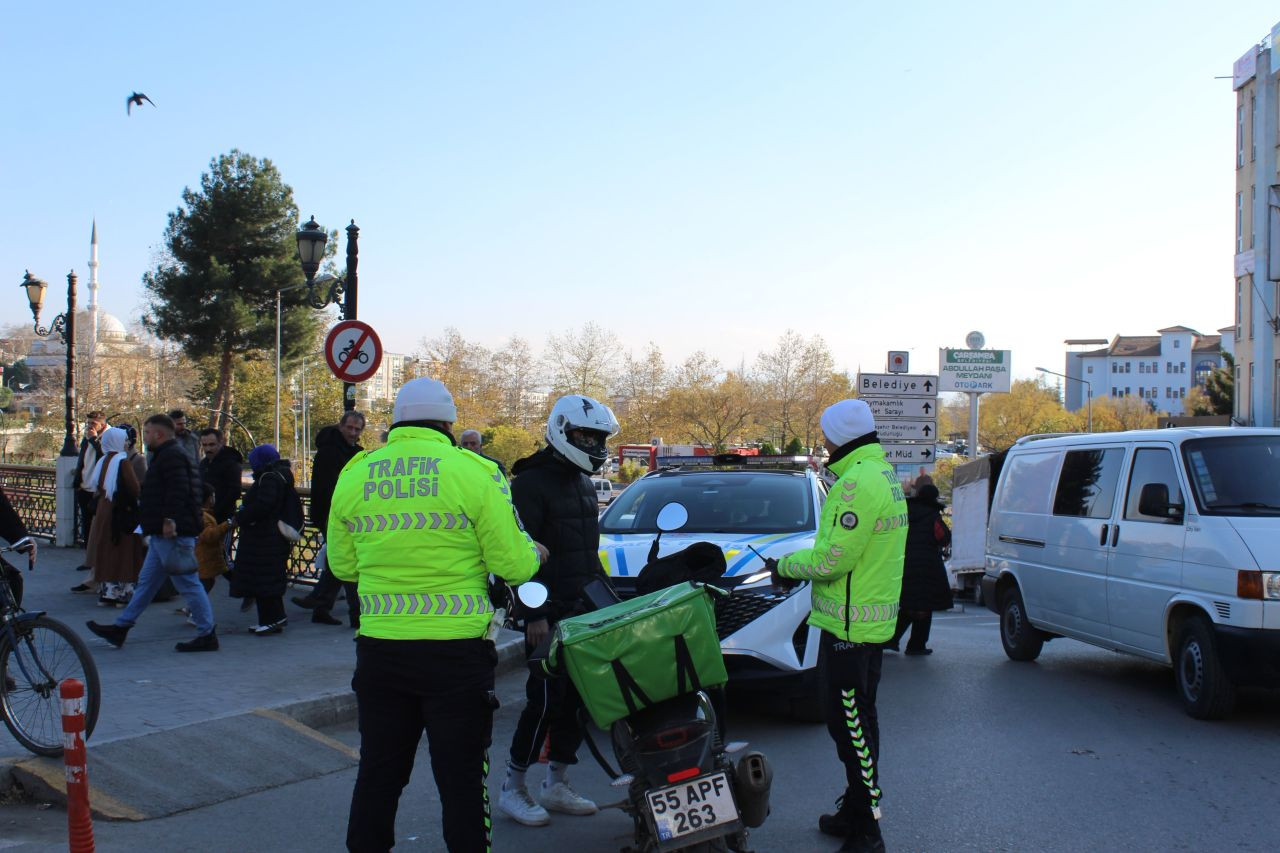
column 1239, row 136
column 1127, row 392
column 1127, row 365
column 1142, row 392
column 1115, row 368
column 1253, row 219
column 1089, row 369
column 1239, row 289
column 1239, row 223
column 1182, row 393
column 1253, row 128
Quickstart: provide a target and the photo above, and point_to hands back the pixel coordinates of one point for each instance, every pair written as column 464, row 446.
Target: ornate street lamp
column 311, row 242
column 64, row 326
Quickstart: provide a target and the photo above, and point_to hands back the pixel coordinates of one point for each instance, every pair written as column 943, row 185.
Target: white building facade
column 1159, row 369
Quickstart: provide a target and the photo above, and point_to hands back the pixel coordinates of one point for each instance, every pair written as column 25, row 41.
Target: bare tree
column 642, row 389
column 582, row 361
column 514, row 374
column 463, row 367
column 711, row 406
column 779, row 374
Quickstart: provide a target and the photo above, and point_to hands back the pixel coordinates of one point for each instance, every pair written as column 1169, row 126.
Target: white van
column 604, row 490
column 1160, row 543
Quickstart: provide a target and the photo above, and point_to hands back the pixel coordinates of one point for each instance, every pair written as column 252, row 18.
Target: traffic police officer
column 855, row 567
column 419, row 524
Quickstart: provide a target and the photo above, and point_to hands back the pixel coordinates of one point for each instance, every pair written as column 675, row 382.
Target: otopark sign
column 353, row 351
column 976, row 371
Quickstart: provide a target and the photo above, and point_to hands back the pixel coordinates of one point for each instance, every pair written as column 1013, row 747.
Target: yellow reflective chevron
column 418, row 604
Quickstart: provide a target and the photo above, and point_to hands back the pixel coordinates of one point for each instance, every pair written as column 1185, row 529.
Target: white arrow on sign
column 908, row 454
column 897, row 385
column 906, row 430
column 902, row 407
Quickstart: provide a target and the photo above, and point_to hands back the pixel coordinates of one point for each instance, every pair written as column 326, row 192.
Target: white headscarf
column 113, row 444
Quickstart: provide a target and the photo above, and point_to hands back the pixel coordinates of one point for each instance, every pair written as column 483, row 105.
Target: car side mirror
column 1154, row 500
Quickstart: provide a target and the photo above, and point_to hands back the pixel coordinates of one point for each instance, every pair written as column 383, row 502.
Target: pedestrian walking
column 85, row 490
column 170, row 515
column 262, row 555
column 925, row 585
column 556, row 500
column 422, row 658
column 473, row 441
column 855, row 568
column 114, row 550
column 335, row 445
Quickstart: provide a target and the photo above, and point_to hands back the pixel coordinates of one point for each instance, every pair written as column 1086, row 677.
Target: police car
column 767, row 503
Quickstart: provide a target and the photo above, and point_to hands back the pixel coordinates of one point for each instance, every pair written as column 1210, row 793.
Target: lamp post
column 311, row 242
column 64, row 326
column 1088, row 387
column 278, row 292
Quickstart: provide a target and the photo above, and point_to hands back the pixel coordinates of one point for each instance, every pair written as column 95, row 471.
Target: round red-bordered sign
column 353, row 351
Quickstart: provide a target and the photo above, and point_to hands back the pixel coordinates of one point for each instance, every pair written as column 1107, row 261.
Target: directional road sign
column 906, row 430
column 897, row 385
column 908, row 454
column 353, row 351
column 902, row 407
column 974, row 370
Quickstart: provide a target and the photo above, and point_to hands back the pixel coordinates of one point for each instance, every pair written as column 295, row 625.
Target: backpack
column 291, row 519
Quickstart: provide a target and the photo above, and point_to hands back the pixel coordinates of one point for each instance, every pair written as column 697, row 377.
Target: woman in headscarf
column 114, row 550
column 262, row 554
column 925, row 585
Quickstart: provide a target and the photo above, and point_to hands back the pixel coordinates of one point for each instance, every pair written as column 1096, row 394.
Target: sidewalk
column 303, row 674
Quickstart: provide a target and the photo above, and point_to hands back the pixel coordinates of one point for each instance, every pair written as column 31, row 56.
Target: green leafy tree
column 794, row 447
column 227, row 250
column 508, row 443
column 1220, row 387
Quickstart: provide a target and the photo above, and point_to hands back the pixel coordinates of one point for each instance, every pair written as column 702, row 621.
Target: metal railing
column 302, row 561
column 31, row 490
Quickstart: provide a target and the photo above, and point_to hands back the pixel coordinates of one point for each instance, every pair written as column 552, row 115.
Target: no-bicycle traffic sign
column 353, row 351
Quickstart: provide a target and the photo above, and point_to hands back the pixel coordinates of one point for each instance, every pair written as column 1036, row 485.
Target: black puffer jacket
column 332, row 453
column 262, row 552
column 171, row 489
column 925, row 585
column 557, row 506
column 222, row 472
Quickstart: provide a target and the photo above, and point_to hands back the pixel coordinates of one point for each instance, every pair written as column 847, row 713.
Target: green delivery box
column 639, row 652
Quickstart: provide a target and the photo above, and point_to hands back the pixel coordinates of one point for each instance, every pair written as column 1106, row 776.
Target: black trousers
column 552, row 708
column 270, row 609
column 918, row 622
column 326, row 593
column 87, row 503
column 849, row 674
column 405, row 687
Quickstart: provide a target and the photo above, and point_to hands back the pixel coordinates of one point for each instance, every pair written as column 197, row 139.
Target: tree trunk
column 222, row 396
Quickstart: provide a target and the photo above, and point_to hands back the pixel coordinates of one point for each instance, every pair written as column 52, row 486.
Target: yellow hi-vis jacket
column 855, row 563
column 419, row 524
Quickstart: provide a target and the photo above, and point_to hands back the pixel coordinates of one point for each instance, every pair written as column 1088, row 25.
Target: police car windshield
column 718, row 502
column 1237, row 475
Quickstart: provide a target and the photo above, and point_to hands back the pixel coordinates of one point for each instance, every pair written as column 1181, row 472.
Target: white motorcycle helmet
column 594, row 423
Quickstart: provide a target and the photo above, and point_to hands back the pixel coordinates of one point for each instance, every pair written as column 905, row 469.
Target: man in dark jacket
column 556, row 502
column 170, row 508
column 221, row 466
column 335, row 445
column 90, row 453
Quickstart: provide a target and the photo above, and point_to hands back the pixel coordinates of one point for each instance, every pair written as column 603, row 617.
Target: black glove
column 780, row 583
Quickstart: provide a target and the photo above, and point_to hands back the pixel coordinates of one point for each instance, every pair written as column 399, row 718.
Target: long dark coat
column 262, row 552
column 925, row 585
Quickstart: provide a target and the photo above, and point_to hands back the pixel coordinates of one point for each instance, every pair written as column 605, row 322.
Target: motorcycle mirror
column 532, row 594
column 672, row 516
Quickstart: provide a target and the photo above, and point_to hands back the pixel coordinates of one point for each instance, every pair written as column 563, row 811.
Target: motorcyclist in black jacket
column 556, row 502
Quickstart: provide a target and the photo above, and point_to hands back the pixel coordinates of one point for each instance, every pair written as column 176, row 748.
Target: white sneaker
column 561, row 798
column 516, row 804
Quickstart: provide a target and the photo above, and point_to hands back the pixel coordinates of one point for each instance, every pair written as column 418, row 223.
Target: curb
column 320, row 712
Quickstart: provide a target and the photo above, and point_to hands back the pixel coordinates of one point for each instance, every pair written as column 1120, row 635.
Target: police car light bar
column 722, row 460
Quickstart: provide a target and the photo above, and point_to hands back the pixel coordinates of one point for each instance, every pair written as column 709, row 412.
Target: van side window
column 1151, row 465
column 1087, row 485
column 1024, row 482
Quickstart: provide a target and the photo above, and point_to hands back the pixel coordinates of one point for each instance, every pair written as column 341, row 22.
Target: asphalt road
column 1082, row 750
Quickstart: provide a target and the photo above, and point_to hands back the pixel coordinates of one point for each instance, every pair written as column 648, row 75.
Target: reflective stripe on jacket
column 419, row 524
column 855, row 564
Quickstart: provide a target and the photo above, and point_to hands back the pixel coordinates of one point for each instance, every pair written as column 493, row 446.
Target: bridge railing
column 32, row 491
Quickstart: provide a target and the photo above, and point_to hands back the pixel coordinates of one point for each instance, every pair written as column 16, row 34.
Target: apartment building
column 1159, row 369
column 1257, row 234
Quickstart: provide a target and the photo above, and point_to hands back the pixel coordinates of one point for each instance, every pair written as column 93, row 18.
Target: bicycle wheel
column 46, row 653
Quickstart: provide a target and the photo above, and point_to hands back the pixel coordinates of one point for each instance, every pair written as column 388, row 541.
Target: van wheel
column 1021, row 640
column 1207, row 693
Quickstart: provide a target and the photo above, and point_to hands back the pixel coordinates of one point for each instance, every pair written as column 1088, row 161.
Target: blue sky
column 702, row 175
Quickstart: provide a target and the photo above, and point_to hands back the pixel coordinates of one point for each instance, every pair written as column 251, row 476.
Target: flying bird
column 136, row 99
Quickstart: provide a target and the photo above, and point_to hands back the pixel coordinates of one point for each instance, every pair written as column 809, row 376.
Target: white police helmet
column 592, row 423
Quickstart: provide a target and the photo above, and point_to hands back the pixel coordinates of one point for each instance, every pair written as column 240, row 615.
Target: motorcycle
column 687, row 789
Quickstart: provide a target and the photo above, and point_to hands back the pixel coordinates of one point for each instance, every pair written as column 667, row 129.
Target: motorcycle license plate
column 692, row 806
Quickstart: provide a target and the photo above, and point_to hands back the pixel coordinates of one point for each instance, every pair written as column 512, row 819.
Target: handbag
column 291, row 519
column 181, row 560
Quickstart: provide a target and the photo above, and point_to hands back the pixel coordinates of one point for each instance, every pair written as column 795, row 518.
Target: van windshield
column 1235, row 475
